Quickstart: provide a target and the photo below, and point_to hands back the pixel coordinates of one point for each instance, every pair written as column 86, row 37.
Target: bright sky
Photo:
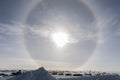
column 60, row 34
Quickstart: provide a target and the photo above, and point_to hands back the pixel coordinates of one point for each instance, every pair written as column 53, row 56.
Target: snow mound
column 40, row 74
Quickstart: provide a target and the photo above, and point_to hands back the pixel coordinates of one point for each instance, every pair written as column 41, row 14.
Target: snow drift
column 40, row 74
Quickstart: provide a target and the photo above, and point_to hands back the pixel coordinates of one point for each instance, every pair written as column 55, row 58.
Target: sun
column 60, row 38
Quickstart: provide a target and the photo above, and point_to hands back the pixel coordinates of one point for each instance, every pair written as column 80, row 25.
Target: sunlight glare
column 60, row 38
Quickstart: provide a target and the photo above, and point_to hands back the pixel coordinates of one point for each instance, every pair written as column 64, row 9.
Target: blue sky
column 26, row 27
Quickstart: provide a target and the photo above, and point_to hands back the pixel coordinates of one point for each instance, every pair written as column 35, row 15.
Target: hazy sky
column 60, row 34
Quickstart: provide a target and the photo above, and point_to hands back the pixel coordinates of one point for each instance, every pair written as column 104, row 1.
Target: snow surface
column 4, row 78
column 42, row 74
column 104, row 77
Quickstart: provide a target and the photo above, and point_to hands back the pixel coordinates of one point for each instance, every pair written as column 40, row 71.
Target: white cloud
column 76, row 34
column 12, row 41
column 11, row 29
column 117, row 32
column 100, row 41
